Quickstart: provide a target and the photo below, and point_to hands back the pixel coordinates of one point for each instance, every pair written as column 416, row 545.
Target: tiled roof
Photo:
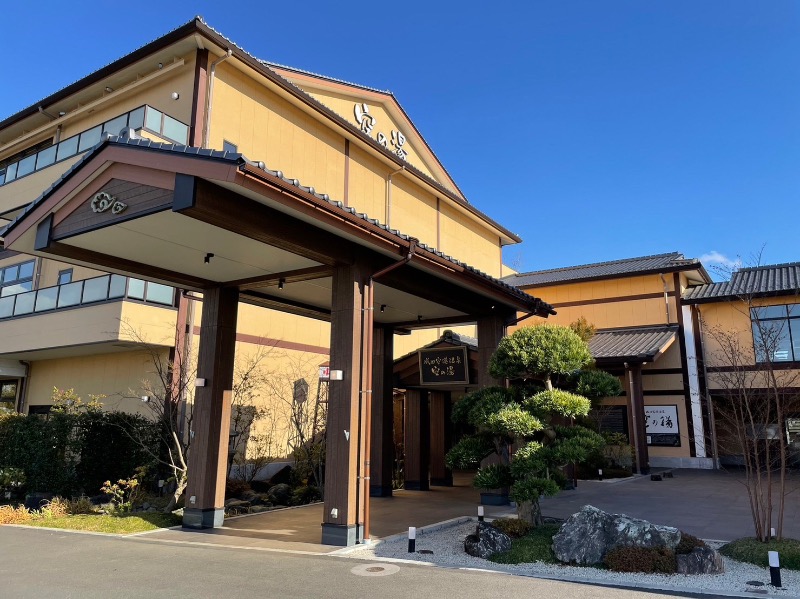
column 599, row 270
column 448, row 337
column 634, row 344
column 771, row 279
column 537, row 305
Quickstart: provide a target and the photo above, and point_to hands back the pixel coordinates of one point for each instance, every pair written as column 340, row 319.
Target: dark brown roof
column 758, row 281
column 658, row 263
column 447, row 338
column 533, row 304
column 639, row 344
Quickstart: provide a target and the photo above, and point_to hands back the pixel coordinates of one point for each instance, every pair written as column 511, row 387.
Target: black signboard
column 612, row 419
column 443, row 366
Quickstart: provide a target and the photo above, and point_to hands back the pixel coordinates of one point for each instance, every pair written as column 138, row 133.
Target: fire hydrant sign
column 662, row 426
column 443, row 366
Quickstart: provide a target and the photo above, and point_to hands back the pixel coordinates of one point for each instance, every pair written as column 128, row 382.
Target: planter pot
column 495, row 499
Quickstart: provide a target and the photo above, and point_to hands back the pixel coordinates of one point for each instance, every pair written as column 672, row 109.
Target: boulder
column 702, row 560
column 280, row 494
column 260, row 499
column 486, row 541
column 589, row 534
column 237, row 503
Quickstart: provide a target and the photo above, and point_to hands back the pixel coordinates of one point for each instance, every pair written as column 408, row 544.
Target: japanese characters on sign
column 367, row 123
column 662, row 425
column 443, row 366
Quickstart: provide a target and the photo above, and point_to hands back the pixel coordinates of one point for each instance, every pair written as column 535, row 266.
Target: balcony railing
column 85, row 292
column 144, row 117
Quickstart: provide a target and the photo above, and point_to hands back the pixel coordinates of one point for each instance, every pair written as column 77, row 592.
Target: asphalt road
column 44, row 564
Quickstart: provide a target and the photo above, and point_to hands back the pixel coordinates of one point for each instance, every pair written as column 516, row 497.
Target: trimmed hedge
column 70, row 453
column 658, row 560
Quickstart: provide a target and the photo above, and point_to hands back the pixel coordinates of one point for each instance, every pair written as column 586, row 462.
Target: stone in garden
column 280, row 494
column 589, row 534
column 152, row 509
column 260, row 499
column 237, row 503
column 486, row 541
column 145, row 506
column 257, row 509
column 702, row 560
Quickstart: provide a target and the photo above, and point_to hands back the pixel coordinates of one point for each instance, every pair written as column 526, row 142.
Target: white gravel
column 447, row 544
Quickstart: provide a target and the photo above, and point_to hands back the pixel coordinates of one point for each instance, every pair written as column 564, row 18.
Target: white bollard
column 775, row 569
column 412, row 539
column 480, row 513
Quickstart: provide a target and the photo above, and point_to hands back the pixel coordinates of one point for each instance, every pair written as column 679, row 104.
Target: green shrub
column 753, row 551
column 235, row 488
column 536, row 546
column 688, row 543
column 304, row 495
column 513, row 527
column 658, row 560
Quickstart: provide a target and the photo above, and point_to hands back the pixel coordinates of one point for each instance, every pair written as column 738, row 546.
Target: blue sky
column 594, row 129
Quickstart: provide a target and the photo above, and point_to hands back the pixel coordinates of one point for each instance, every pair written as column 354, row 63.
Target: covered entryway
column 212, row 222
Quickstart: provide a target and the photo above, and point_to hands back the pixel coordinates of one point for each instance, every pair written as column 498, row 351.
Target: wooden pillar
column 491, row 329
column 208, row 458
column 382, row 454
column 340, row 516
column 441, row 438
column 637, row 421
column 417, row 440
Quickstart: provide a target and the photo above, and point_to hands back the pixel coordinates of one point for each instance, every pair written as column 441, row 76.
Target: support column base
column 205, row 518
column 380, row 491
column 341, row 535
column 417, row 485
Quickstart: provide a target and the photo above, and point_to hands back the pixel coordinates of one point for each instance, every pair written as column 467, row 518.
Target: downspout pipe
column 389, row 194
column 666, row 296
column 368, row 321
column 210, row 95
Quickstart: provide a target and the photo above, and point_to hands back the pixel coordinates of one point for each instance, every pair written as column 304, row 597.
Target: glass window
column 6, row 306
column 115, row 126
column 46, row 299
column 136, row 118
column 11, row 273
column 90, row 138
column 67, row 148
column 70, row 294
column 26, row 270
column 46, row 157
column 136, row 289
column 95, row 290
column 152, row 119
column 117, row 288
column 159, row 294
column 65, row 276
column 24, row 303
column 776, row 333
column 2, row 177
column 175, row 130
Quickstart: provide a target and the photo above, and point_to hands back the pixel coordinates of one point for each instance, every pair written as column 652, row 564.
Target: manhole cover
column 754, row 583
column 375, row 569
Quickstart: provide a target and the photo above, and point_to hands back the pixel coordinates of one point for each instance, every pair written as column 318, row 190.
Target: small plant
column 513, row 527
column 688, row 543
column 66, row 401
column 304, row 495
column 753, row 551
column 57, row 507
column 81, row 505
column 536, row 546
column 649, row 560
column 11, row 515
column 235, row 487
column 122, row 493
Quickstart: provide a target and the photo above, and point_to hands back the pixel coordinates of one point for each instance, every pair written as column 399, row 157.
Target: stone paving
column 709, row 504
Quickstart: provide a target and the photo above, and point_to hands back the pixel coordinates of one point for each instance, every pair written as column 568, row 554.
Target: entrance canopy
column 198, row 219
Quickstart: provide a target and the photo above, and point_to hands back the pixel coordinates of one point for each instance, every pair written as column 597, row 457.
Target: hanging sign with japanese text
column 662, row 426
column 443, row 366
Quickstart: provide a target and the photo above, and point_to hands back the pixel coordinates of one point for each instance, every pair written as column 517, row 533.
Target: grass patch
column 127, row 524
column 753, row 551
column 536, row 546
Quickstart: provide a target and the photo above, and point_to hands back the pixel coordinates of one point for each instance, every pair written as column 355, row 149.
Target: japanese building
column 210, row 203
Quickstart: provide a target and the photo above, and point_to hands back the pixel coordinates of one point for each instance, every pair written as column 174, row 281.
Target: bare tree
column 754, row 399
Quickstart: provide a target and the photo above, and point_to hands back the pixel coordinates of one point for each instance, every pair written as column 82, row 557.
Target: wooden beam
column 441, row 438
column 417, row 440
column 264, row 300
column 491, row 330
column 288, row 276
column 637, row 424
column 382, row 454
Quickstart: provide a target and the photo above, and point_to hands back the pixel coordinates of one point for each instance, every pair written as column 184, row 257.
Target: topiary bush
column 513, row 527
column 648, row 560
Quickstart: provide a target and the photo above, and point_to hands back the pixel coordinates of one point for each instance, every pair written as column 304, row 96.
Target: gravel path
column 447, row 544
